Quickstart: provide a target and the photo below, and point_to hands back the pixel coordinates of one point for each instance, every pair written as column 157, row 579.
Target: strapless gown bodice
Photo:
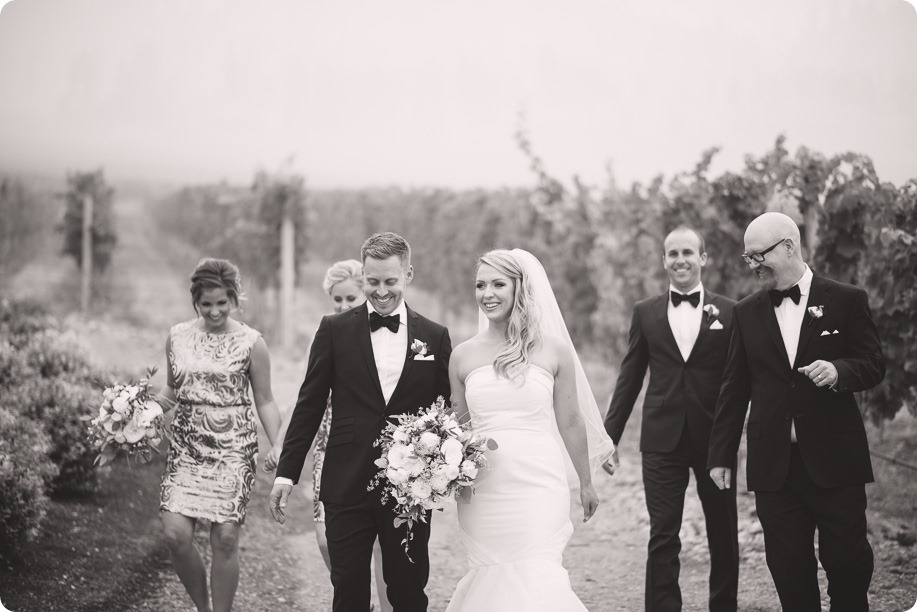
column 517, row 524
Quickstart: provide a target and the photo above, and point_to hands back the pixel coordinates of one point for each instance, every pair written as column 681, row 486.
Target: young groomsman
column 682, row 335
column 799, row 349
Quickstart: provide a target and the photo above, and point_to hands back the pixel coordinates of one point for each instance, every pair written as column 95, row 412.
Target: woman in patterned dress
column 210, row 468
column 343, row 283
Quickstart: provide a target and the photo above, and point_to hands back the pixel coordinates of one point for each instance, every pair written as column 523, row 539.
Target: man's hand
column 722, row 477
column 612, row 464
column 279, row 496
column 822, row 373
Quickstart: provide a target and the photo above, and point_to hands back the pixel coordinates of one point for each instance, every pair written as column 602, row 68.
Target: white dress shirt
column 390, row 351
column 685, row 320
column 789, row 318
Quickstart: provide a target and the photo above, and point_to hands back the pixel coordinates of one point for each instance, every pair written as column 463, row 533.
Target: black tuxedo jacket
column 341, row 363
column 829, row 427
column 678, row 390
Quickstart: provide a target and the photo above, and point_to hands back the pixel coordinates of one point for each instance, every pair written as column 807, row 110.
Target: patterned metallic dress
column 318, row 460
column 210, row 468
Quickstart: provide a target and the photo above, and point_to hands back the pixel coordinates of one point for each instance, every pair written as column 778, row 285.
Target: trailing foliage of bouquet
column 129, row 420
column 426, row 459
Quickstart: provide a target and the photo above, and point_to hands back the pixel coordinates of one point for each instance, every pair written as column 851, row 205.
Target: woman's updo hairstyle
column 213, row 273
column 349, row 269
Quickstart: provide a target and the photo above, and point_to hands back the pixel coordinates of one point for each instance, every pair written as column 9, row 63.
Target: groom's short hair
column 687, row 228
column 385, row 244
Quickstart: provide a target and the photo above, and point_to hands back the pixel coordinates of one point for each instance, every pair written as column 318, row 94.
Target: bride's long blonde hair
column 524, row 332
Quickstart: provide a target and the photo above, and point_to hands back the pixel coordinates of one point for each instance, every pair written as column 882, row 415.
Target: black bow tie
column 391, row 322
column 693, row 299
column 777, row 296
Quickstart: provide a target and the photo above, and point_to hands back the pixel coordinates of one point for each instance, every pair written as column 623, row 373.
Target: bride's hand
column 590, row 501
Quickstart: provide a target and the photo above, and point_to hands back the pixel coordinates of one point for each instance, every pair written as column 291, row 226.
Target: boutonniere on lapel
column 815, row 312
column 712, row 313
column 420, row 350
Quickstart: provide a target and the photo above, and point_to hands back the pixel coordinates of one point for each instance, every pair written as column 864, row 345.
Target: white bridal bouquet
column 129, row 420
column 426, row 459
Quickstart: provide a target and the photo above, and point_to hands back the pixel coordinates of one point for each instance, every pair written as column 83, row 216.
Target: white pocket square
column 423, row 357
column 827, row 333
column 716, row 325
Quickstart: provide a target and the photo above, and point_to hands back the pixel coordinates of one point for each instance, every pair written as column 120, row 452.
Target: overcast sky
column 430, row 93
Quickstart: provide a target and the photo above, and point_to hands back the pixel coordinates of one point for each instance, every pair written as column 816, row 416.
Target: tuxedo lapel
column 661, row 310
column 765, row 310
column 361, row 330
column 413, row 324
column 819, row 295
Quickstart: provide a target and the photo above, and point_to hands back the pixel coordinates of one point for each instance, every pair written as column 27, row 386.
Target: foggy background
column 417, row 93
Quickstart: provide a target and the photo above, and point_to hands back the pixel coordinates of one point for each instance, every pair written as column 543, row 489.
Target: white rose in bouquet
column 396, row 476
column 421, row 489
column 428, row 443
column 151, row 410
column 469, row 468
column 401, row 436
column 398, row 455
column 415, row 466
column 451, row 471
column 439, row 481
column 120, row 404
column 133, row 433
column 452, row 451
column 119, row 437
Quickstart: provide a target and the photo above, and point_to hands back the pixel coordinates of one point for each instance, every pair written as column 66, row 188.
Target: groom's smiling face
column 384, row 282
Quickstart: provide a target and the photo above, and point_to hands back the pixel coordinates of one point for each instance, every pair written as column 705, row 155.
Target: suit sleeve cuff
column 284, row 481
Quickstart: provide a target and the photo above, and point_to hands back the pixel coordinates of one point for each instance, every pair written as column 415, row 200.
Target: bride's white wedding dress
column 517, row 523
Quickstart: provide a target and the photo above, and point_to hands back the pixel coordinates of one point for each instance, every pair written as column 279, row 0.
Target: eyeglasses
column 759, row 256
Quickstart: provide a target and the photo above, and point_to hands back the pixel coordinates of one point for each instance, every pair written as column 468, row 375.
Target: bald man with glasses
column 799, row 349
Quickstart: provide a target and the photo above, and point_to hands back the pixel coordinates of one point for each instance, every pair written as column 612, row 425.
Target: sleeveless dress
column 517, row 524
column 210, row 467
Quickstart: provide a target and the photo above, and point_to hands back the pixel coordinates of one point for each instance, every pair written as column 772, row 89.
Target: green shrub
column 24, row 470
column 58, row 405
column 13, row 367
column 53, row 355
column 21, row 319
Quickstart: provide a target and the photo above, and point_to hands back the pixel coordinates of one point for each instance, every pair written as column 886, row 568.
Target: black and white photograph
column 474, row 306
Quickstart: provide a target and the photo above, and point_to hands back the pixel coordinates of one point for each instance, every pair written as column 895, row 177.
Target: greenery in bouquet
column 129, row 420
column 426, row 459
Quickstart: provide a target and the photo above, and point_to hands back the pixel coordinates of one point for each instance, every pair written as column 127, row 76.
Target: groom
column 800, row 348
column 363, row 358
column 682, row 336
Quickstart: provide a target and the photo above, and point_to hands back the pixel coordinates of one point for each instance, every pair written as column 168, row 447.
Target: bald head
column 772, row 245
column 770, row 227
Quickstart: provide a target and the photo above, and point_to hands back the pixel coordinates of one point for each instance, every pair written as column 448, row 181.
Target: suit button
column 793, row 383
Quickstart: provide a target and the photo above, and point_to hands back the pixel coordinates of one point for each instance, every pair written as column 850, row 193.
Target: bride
column 522, row 383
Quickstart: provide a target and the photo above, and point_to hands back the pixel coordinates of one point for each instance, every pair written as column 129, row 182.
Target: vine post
column 86, row 277
column 287, row 276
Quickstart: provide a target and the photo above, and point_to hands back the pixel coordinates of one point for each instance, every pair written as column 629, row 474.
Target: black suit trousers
column 665, row 480
column 790, row 517
column 351, row 531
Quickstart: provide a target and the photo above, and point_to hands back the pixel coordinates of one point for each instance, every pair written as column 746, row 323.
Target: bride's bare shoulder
column 470, row 354
column 552, row 354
